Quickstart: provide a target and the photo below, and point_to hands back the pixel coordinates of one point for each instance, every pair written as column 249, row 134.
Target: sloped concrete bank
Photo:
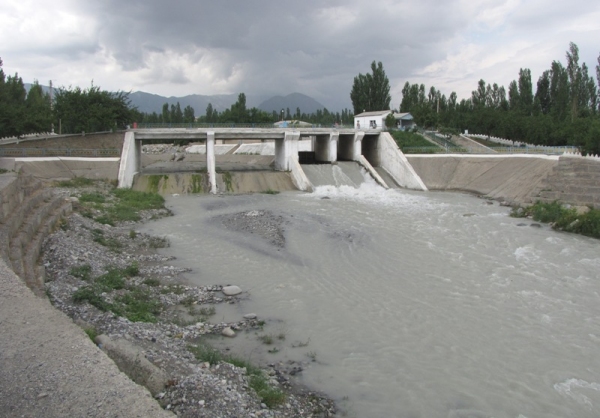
column 48, row 365
column 511, row 178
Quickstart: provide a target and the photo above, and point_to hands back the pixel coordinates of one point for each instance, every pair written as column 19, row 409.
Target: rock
column 228, row 332
column 133, row 363
column 467, row 215
column 231, row 290
column 520, row 212
column 250, row 316
column 535, row 225
column 582, row 210
column 521, row 224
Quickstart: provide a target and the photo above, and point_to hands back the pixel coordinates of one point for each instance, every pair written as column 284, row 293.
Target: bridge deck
column 241, row 133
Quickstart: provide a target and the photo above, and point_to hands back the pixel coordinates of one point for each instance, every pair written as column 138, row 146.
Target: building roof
column 375, row 113
column 403, row 116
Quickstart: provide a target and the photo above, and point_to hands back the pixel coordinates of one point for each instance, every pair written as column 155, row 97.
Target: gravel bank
column 118, row 263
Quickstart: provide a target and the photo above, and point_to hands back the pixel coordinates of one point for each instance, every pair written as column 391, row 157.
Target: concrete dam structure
column 227, row 157
column 368, row 148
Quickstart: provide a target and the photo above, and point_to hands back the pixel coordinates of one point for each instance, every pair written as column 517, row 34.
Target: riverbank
column 110, row 280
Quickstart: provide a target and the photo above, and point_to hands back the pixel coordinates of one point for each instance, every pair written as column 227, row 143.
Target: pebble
column 231, row 290
column 228, row 332
column 250, row 316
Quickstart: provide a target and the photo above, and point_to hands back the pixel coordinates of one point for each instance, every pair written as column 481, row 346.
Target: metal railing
column 59, row 152
column 196, row 125
column 477, row 150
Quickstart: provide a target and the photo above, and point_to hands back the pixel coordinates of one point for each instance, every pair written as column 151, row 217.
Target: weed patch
column 76, row 182
column 269, row 395
column 93, row 197
column 562, row 218
column 83, row 272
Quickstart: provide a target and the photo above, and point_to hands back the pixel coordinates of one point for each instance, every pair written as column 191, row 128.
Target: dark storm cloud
column 313, row 46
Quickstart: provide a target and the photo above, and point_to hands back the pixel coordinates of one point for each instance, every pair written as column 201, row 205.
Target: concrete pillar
column 285, row 149
column 358, row 138
column 210, row 161
column 326, row 147
column 131, row 160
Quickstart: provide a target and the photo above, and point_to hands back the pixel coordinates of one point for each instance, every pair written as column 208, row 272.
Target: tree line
column 239, row 113
column 563, row 110
column 71, row 110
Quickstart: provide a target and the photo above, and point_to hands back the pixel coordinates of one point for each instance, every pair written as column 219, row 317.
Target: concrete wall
column 512, row 178
column 575, row 180
column 396, row 164
column 89, row 141
column 53, row 168
column 131, row 160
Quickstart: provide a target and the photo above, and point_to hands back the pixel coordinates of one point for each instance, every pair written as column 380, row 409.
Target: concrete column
column 130, row 163
column 285, row 149
column 334, row 138
column 210, row 161
column 358, row 138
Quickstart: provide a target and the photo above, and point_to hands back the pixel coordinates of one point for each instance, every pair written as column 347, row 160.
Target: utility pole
column 51, row 105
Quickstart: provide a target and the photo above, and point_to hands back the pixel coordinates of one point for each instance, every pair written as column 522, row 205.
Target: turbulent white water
column 412, row 304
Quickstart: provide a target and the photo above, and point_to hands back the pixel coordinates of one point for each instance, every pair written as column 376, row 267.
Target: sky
column 314, row 47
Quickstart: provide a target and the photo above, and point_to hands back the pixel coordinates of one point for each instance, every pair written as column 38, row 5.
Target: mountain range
column 148, row 103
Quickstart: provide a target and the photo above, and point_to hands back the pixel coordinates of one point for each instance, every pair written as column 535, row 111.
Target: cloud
column 265, row 47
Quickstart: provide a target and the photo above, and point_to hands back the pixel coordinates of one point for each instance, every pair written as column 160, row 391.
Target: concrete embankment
column 513, row 178
column 227, row 182
column 48, row 365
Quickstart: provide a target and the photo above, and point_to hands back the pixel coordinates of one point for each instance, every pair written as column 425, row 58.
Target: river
column 411, row 304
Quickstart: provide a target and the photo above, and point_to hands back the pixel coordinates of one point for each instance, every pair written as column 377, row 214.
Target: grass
column 92, row 197
column 409, row 140
column 158, row 242
column 135, row 304
column 120, row 205
column 83, row 272
column 270, row 191
column 562, row 218
column 91, row 332
column 268, row 394
column 76, row 182
column 152, row 282
column 110, row 243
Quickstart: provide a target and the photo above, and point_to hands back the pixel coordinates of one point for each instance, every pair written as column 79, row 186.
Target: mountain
column 292, row 101
column 148, row 103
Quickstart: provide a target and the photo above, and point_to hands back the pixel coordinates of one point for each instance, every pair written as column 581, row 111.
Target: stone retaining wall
column 574, row 180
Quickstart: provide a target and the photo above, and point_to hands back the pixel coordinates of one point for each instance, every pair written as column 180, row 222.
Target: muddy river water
column 411, row 304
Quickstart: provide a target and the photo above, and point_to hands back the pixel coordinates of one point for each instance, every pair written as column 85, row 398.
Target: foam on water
column 567, row 387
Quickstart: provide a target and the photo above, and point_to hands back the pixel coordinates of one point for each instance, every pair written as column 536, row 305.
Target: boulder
column 231, row 290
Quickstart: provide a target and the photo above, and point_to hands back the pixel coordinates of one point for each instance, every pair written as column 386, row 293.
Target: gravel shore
column 99, row 275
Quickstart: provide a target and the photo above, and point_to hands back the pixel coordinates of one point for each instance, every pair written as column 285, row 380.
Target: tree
column 371, row 92
column 38, row 110
column 91, row 110
column 188, row 114
column 574, row 72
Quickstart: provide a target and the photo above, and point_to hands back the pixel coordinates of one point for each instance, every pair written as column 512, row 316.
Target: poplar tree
column 371, row 92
